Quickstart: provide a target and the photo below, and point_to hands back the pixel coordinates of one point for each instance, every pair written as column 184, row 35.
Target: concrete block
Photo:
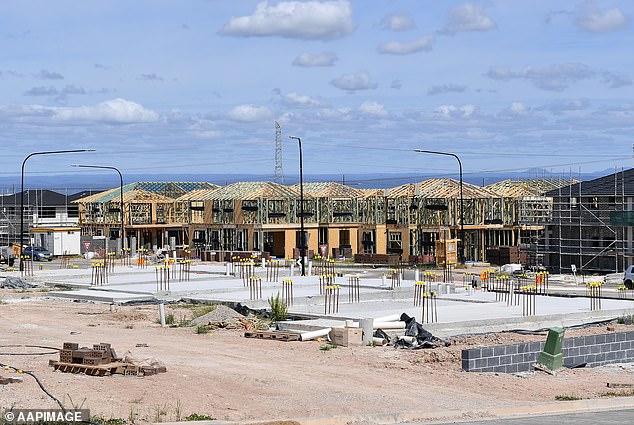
column 600, row 339
column 621, row 336
column 493, row 361
column 505, row 360
column 480, row 363
column 499, row 351
column 487, row 352
column 511, row 349
column 610, row 337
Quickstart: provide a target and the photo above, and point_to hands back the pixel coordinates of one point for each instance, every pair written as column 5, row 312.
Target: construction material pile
column 16, row 283
column 101, row 360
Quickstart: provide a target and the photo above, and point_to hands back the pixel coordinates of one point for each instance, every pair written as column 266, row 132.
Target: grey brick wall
column 594, row 350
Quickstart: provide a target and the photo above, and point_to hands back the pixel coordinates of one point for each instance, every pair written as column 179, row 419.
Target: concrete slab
column 458, row 311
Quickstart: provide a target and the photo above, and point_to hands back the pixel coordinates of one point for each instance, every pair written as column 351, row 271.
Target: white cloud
column 313, row 20
column 396, row 48
column 558, row 77
column 250, row 113
column 353, row 82
column 453, row 111
column 397, row 23
column 374, row 109
column 468, row 17
column 321, row 59
column 446, row 88
column 517, row 108
column 113, row 111
column 302, row 101
column 591, row 19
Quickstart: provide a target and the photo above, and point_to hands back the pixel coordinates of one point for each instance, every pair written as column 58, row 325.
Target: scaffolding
column 590, row 226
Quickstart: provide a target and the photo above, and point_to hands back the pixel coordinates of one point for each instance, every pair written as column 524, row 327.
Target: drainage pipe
column 307, row 336
column 389, row 325
column 389, row 318
column 379, row 341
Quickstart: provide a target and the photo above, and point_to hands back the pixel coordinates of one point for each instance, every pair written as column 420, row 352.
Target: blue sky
column 195, row 86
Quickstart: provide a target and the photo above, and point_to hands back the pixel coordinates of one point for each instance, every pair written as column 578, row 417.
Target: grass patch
column 629, row 393
column 202, row 329
column 567, row 398
column 327, row 347
column 201, row 311
column 627, row 319
column 198, row 417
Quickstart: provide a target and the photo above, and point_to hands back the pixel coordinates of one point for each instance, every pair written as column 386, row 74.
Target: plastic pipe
column 389, row 325
column 379, row 341
column 367, row 326
column 410, row 339
column 307, row 336
column 162, row 314
column 389, row 318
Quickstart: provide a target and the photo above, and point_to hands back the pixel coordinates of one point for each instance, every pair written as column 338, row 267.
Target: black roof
column 42, row 197
column 616, row 184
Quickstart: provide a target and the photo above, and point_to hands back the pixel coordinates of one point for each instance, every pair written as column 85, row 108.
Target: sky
column 196, row 86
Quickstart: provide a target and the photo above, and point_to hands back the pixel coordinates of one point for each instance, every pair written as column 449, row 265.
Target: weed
column 327, row 347
column 178, row 410
column 159, row 413
column 202, row 329
column 169, row 319
column 104, row 421
column 566, row 398
column 197, row 417
column 626, row 319
column 129, row 326
column 279, row 309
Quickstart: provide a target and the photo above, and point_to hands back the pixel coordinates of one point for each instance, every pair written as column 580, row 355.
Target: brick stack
column 101, row 353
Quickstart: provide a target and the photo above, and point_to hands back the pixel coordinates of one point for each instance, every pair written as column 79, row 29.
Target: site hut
column 248, row 217
column 47, row 213
column 338, row 217
column 532, row 211
column 151, row 214
column 591, row 226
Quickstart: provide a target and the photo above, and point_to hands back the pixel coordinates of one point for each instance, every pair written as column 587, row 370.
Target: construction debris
column 12, row 282
column 6, row 381
column 416, row 336
column 101, row 360
column 220, row 317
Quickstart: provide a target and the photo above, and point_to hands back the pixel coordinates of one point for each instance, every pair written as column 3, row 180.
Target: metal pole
column 22, row 190
column 302, row 238
column 461, row 251
column 108, row 167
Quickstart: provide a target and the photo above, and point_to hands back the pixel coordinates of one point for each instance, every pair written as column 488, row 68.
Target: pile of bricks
column 99, row 360
column 101, row 353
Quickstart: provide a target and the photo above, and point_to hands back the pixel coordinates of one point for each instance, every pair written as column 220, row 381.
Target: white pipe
column 389, row 325
column 228, row 269
column 307, row 336
column 162, row 314
column 410, row 339
column 379, row 341
column 390, row 318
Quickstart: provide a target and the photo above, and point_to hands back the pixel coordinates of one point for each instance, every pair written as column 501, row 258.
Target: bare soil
column 229, row 377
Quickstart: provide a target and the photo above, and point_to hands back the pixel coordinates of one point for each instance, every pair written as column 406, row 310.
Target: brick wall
column 595, row 350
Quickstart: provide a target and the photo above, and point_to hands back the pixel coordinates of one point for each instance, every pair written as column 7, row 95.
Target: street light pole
column 22, row 190
column 302, row 238
column 461, row 198
column 107, row 167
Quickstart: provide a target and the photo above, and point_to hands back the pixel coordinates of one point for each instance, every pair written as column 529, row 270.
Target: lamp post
column 302, row 238
column 108, row 167
column 461, row 251
column 22, row 190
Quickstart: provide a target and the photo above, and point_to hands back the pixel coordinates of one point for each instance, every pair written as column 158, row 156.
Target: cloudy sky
column 196, row 85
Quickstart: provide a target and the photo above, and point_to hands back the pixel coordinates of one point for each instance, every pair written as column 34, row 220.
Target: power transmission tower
column 279, row 172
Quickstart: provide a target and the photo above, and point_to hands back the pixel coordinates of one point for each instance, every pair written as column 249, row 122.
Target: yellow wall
column 354, row 240
column 289, row 238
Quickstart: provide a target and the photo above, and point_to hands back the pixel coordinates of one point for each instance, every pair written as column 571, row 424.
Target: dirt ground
column 229, row 377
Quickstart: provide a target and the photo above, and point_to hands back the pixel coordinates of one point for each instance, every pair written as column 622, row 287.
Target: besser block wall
column 594, row 350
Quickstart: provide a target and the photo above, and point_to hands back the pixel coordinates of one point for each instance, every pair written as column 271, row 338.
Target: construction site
column 228, row 341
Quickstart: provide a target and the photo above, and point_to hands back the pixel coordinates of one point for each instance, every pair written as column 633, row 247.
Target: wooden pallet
column 96, row 370
column 277, row 335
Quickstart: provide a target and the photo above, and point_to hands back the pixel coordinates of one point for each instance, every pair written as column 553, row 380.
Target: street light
column 461, row 199
column 22, row 190
column 302, row 239
column 107, row 167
